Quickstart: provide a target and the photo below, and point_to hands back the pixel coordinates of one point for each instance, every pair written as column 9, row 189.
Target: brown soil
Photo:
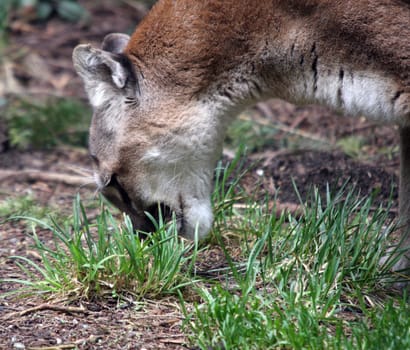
column 153, row 325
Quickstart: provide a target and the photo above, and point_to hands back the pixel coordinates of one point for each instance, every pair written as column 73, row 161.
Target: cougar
column 163, row 98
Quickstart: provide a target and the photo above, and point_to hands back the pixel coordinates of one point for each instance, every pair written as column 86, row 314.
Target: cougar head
column 150, row 150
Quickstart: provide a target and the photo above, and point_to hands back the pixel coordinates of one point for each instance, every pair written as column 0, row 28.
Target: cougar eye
column 95, row 160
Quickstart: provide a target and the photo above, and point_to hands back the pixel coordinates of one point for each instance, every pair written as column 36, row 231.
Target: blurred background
column 41, row 99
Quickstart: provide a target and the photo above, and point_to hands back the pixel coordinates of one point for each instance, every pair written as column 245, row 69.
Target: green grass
column 261, row 320
column 387, row 327
column 4, row 11
column 311, row 281
column 257, row 137
column 42, row 10
column 352, row 145
column 47, row 124
column 23, row 205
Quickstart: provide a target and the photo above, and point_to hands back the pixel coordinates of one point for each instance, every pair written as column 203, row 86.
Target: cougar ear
column 97, row 64
column 115, row 42
column 103, row 72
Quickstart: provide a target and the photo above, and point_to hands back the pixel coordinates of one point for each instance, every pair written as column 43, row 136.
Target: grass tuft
column 96, row 259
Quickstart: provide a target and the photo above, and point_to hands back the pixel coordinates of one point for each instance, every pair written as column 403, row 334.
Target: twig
column 280, row 207
column 54, row 347
column 137, row 6
column 359, row 128
column 266, row 112
column 37, row 175
column 53, row 307
column 269, row 156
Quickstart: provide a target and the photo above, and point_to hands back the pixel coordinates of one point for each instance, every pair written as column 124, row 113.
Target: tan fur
column 162, row 99
column 210, row 39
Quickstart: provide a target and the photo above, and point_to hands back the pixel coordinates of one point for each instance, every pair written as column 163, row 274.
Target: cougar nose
column 102, row 180
column 103, row 174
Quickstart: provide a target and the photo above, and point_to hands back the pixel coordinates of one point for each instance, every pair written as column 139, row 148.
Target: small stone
column 19, row 346
column 259, row 172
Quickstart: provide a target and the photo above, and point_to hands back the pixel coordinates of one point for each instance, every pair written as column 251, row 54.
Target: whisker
column 86, row 184
column 95, row 194
column 79, row 170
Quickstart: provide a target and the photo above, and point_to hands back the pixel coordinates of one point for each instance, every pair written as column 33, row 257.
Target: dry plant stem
column 37, row 175
column 53, row 307
column 268, row 156
column 359, row 128
column 294, row 209
column 139, row 7
column 55, row 347
column 280, row 207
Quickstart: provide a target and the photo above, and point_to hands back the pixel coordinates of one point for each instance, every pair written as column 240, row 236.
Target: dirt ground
column 152, row 325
